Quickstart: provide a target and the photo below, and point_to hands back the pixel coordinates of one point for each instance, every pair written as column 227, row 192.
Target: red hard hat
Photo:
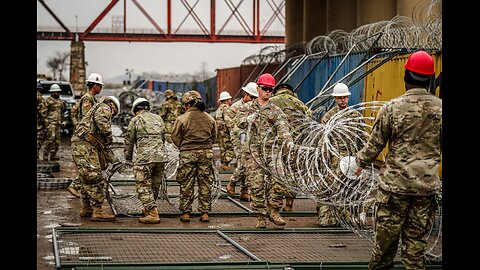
column 266, row 79
column 420, row 62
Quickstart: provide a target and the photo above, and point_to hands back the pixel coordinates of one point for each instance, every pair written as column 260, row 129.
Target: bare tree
column 58, row 63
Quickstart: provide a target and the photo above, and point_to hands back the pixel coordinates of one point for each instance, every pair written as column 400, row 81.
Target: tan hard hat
column 168, row 93
column 191, row 95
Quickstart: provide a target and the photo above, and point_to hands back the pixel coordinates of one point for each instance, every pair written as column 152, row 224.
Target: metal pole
column 244, row 250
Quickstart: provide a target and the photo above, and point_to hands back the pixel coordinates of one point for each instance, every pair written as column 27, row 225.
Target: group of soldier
column 49, row 120
column 408, row 179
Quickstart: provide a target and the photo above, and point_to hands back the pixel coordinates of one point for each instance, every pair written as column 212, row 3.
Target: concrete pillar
column 77, row 67
column 342, row 14
column 314, row 19
column 371, row 11
column 293, row 22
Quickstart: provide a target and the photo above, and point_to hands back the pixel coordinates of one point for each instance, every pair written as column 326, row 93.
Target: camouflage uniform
column 55, row 109
column 194, row 133
column 146, row 131
column 42, row 121
column 264, row 189
column 86, row 102
column 411, row 125
column 91, row 152
column 169, row 111
column 223, row 133
column 295, row 110
column 239, row 173
column 326, row 212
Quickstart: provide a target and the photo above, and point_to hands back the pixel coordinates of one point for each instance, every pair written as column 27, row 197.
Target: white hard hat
column 251, row 89
column 348, row 166
column 138, row 101
column 224, row 95
column 95, row 78
column 340, row 90
column 55, row 88
column 115, row 100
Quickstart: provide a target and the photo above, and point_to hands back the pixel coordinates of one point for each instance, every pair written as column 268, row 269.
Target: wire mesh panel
column 135, row 247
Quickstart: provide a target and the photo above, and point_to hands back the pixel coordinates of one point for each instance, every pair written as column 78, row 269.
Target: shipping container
column 386, row 82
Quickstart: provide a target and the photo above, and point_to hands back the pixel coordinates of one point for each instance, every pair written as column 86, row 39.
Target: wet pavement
column 58, row 208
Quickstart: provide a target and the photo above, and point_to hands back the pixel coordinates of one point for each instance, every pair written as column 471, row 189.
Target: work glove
column 251, row 118
column 290, row 145
column 242, row 137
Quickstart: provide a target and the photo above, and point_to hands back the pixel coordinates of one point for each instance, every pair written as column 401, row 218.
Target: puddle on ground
column 49, row 257
column 52, row 225
column 226, row 257
column 47, row 212
column 221, row 226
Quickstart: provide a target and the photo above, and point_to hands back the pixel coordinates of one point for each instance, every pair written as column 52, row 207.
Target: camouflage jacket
column 235, row 130
column 97, row 123
column 411, row 125
column 262, row 118
column 170, row 110
column 194, row 130
column 55, row 109
column 293, row 107
column 41, row 110
column 81, row 108
column 222, row 119
column 146, row 131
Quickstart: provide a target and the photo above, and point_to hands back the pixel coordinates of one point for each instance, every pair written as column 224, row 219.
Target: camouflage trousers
column 87, row 161
column 76, row 183
column 148, row 179
column 52, row 139
column 168, row 131
column 264, row 189
column 327, row 212
column 226, row 147
column 40, row 136
column 239, row 174
column 195, row 167
column 407, row 217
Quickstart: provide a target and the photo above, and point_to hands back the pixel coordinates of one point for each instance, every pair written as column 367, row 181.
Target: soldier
column 295, row 110
column 411, row 126
column 259, row 117
column 94, row 85
column 169, row 111
column 55, row 109
column 194, row 133
column 223, row 129
column 249, row 93
column 325, row 211
column 42, row 122
column 91, row 152
column 146, row 132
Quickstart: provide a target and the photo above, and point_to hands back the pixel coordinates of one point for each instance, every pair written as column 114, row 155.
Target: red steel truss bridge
column 238, row 21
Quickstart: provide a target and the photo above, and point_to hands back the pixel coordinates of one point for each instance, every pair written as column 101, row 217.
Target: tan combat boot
column 150, row 216
column 99, row 215
column 276, row 218
column 45, row 156
column 204, row 217
column 86, row 211
column 244, row 196
column 231, row 188
column 54, row 157
column 185, row 217
column 288, row 204
column 261, row 222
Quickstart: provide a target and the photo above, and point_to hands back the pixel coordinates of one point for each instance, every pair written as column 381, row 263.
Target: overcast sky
column 112, row 58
